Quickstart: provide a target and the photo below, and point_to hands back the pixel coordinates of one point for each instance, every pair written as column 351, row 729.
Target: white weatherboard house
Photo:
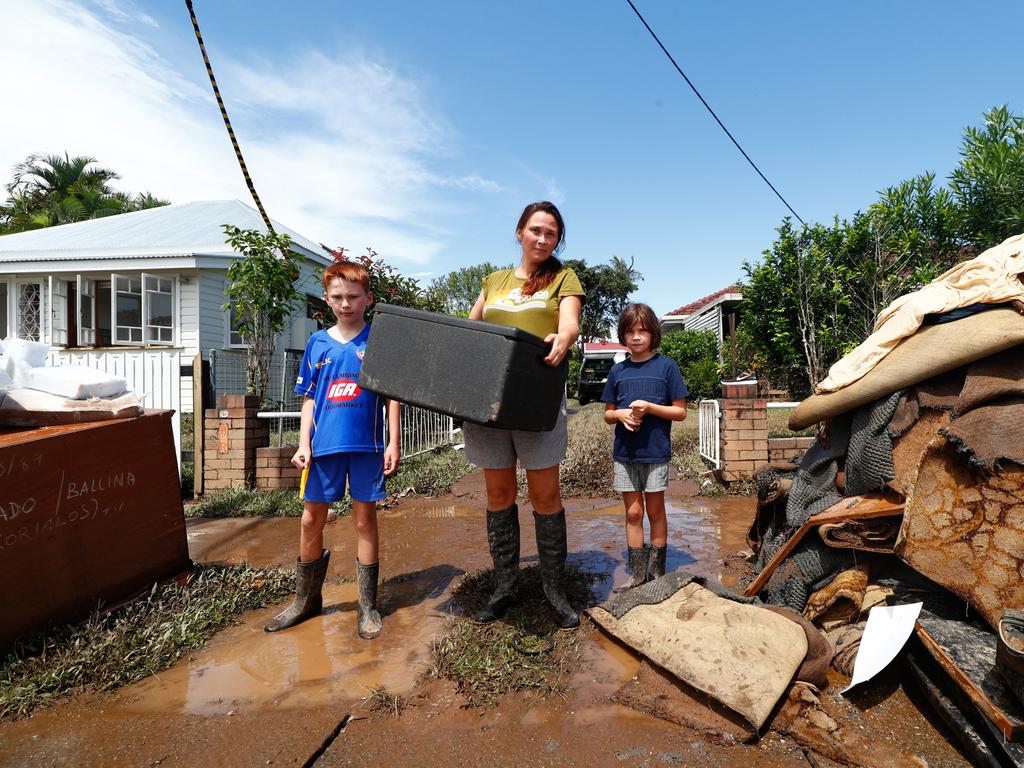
column 148, row 281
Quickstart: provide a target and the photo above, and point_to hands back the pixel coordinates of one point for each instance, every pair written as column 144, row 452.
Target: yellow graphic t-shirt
column 536, row 313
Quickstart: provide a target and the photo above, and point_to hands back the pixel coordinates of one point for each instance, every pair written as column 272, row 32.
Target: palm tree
column 57, row 189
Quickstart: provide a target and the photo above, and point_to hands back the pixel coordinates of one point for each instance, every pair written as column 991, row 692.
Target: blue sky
column 422, row 128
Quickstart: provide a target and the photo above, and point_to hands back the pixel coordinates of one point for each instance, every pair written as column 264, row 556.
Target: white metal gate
column 153, row 374
column 709, row 440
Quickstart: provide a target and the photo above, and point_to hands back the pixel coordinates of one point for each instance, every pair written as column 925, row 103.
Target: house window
column 3, row 311
column 235, row 338
column 159, row 309
column 29, row 312
column 128, row 310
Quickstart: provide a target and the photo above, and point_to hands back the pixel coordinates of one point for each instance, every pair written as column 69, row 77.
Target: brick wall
column 744, row 436
column 232, row 435
column 785, row 448
column 274, row 469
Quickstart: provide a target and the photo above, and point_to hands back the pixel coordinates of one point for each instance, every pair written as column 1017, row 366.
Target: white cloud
column 340, row 150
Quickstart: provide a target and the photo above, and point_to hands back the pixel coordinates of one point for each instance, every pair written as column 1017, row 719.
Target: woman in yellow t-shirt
column 545, row 298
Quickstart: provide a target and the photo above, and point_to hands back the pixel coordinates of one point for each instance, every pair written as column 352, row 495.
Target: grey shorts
column 639, row 478
column 491, row 448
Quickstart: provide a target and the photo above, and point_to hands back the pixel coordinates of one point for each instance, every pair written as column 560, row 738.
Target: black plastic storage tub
column 481, row 372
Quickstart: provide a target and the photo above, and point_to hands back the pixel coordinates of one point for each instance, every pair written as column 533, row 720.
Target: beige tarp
column 991, row 278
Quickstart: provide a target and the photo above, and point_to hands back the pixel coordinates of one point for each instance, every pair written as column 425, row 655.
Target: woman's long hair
column 547, row 272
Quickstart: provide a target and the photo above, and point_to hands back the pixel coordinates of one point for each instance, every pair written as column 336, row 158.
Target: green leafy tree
column 696, row 354
column 989, row 181
column 46, row 190
column 388, row 285
column 607, row 288
column 458, row 290
column 261, row 288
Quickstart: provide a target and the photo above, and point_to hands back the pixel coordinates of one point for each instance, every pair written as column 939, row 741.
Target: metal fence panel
column 709, row 439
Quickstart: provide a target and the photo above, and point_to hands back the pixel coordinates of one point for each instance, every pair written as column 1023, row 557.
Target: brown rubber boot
column 370, row 624
column 309, row 580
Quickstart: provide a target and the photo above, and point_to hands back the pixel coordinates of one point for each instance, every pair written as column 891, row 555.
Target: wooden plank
column 1006, row 726
column 852, row 508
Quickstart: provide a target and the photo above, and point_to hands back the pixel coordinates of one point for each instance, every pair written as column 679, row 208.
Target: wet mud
column 251, row 698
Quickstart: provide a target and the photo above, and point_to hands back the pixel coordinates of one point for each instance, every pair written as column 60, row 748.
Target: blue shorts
column 328, row 473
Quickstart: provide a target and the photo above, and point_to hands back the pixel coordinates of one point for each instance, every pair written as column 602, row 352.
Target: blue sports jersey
column 345, row 418
column 657, row 381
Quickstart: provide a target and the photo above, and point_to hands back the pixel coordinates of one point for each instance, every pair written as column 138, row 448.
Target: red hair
column 347, row 270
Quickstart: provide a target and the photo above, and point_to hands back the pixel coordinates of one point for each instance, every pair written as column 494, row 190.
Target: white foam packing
column 75, row 382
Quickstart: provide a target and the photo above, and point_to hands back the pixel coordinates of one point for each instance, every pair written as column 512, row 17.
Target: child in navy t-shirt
column 643, row 396
column 348, row 438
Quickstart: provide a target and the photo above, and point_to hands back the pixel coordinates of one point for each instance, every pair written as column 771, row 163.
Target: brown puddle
column 249, row 683
column 425, row 548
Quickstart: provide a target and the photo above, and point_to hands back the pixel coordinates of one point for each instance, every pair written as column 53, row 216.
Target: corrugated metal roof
column 172, row 230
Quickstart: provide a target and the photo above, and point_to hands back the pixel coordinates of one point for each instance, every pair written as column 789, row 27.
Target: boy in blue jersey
column 643, row 396
column 342, row 436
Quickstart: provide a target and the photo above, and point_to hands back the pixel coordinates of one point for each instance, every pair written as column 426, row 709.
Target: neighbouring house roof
column 729, row 292
column 186, row 229
column 602, row 346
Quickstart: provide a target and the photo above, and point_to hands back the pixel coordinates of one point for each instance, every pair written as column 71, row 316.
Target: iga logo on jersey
column 342, row 390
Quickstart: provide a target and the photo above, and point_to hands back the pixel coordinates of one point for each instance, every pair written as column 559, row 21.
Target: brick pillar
column 274, row 469
column 744, row 430
column 232, row 435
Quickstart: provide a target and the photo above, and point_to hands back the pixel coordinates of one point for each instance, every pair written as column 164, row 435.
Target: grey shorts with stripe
column 491, row 448
column 639, row 478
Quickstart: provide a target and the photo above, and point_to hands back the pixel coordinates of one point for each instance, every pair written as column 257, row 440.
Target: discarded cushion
column 989, row 278
column 932, row 350
column 964, row 529
column 741, row 655
column 846, row 589
column 655, row 692
column 76, row 382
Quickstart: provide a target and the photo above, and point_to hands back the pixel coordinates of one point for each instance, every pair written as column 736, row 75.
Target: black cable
column 708, row 106
column 227, row 122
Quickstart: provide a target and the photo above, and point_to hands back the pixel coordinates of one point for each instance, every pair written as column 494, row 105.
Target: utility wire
column 227, row 122
column 708, row 106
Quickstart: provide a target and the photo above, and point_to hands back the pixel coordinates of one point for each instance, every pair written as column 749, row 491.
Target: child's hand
column 391, row 460
column 301, row 457
column 629, row 419
column 640, row 407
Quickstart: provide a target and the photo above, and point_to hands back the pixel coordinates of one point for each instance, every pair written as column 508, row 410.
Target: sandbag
column 741, row 655
column 75, row 382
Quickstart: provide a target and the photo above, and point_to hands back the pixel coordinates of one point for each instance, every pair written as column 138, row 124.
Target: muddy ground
column 251, row 699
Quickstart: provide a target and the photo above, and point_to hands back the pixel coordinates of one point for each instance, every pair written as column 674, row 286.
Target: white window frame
column 172, row 294
column 86, row 288
column 142, row 278
column 14, row 315
column 57, row 298
column 228, row 343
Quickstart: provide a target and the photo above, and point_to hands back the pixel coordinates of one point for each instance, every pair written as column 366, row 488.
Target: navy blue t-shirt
column 657, row 381
column 346, row 418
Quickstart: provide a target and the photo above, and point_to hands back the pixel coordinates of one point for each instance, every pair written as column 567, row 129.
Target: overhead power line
column 227, row 122
column 712, row 112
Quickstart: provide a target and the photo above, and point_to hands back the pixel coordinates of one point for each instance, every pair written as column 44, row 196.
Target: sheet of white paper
column 887, row 630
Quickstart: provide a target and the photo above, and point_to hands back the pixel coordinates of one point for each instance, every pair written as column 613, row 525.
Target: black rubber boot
column 636, row 568
column 370, row 623
column 657, row 562
column 309, row 580
column 503, row 541
column 551, row 551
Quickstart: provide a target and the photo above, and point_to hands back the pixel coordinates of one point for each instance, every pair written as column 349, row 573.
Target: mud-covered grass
column 117, row 647
column 429, row 474
column 381, row 701
column 524, row 651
